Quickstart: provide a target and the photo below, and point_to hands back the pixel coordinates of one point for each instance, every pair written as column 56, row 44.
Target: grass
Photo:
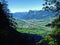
column 40, row 27
column 29, row 31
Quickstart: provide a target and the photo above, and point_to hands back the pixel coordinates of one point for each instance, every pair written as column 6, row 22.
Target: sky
column 24, row 5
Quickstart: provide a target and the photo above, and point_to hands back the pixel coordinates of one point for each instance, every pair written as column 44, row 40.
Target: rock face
column 9, row 35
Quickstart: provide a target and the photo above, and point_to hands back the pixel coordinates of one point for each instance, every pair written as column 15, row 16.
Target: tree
column 8, row 33
column 54, row 37
column 54, row 6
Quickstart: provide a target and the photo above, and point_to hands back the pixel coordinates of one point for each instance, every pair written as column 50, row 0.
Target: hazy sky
column 24, row 5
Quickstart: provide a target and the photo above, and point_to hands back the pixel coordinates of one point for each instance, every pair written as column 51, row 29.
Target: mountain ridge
column 33, row 15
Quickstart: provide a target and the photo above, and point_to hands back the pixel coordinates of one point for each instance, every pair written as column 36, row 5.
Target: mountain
column 33, row 15
column 33, row 19
column 19, row 15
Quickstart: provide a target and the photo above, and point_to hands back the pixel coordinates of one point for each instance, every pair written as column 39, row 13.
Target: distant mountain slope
column 33, row 19
column 33, row 15
column 19, row 15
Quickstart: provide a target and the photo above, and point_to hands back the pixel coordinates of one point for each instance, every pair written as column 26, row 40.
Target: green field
column 33, row 27
column 38, row 32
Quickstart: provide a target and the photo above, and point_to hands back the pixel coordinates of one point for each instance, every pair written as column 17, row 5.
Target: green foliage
column 48, row 40
column 54, row 37
column 53, row 5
